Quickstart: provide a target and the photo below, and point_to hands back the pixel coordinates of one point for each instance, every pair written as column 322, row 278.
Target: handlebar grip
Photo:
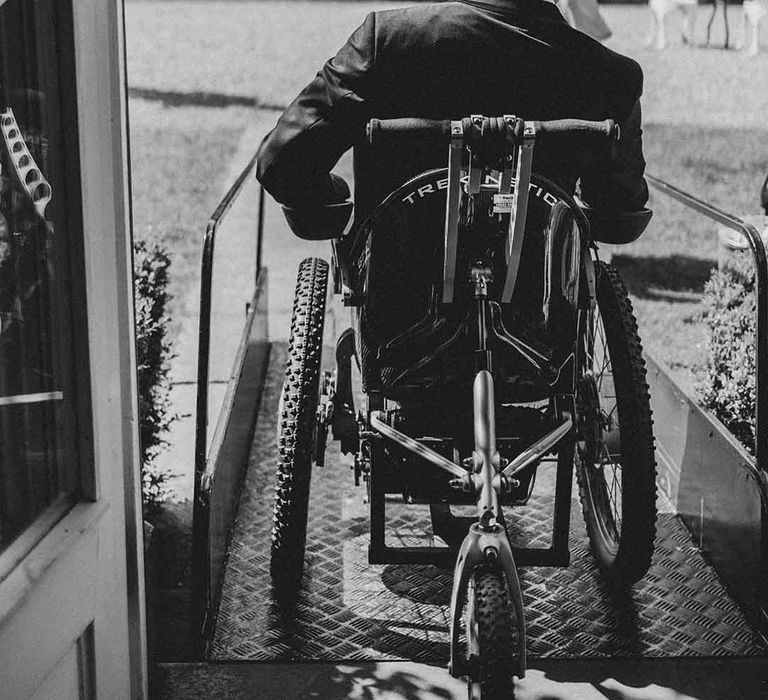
column 579, row 131
column 379, row 131
column 573, row 132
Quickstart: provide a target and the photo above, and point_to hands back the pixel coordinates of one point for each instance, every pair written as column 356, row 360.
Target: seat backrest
column 398, row 257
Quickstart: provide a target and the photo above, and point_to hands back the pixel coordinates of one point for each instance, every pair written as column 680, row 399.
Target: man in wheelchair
column 487, row 57
column 489, row 336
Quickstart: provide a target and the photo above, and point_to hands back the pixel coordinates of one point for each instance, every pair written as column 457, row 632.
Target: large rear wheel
column 296, row 428
column 615, row 461
column 492, row 637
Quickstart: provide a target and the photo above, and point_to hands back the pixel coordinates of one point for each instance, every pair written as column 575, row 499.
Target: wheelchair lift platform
column 351, row 611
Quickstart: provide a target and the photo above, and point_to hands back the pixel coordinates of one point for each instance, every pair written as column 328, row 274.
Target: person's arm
column 618, row 184
column 325, row 119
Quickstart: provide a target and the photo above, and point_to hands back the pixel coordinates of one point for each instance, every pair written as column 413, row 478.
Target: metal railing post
column 201, row 594
column 757, row 246
column 260, row 231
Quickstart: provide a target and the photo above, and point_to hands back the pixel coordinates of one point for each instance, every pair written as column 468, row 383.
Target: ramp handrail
column 200, row 505
column 757, row 247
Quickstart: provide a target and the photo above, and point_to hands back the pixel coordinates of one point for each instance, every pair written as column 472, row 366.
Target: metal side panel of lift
column 716, row 489
column 229, row 450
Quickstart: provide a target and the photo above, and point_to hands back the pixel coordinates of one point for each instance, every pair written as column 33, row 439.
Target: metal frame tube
column 519, row 213
column 538, row 449
column 378, row 423
column 452, row 201
column 486, row 457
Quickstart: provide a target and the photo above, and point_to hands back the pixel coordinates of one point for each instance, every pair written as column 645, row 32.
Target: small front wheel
column 296, row 430
column 492, row 637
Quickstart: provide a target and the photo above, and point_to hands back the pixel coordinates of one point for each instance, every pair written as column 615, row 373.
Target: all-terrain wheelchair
column 489, row 338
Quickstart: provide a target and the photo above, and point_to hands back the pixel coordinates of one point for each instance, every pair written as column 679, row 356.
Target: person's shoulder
column 426, row 10
column 620, row 66
column 626, row 65
column 422, row 25
column 425, row 15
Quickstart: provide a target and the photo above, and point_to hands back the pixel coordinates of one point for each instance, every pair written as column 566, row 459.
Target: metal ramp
column 352, row 611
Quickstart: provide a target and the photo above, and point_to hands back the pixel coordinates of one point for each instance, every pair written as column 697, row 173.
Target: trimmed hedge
column 154, row 353
column 728, row 389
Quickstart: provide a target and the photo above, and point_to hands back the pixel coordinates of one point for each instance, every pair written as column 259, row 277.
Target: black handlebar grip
column 379, row 131
column 579, row 131
column 575, row 132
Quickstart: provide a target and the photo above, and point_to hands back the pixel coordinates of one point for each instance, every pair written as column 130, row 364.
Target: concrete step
column 547, row 679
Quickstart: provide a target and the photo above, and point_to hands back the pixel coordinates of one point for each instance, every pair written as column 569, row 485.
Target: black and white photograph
column 383, row 350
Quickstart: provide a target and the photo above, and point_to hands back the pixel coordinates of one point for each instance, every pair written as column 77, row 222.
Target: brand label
column 432, row 188
column 502, row 203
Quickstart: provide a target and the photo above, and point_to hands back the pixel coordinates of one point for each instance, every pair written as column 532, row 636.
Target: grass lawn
column 706, row 131
column 178, row 156
column 667, row 268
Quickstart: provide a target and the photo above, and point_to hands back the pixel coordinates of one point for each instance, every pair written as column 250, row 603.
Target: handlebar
column 379, row 131
column 574, row 131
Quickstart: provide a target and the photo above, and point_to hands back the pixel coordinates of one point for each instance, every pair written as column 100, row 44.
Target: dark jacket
column 450, row 60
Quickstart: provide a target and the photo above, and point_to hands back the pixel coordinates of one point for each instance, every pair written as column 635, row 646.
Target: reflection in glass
column 33, row 289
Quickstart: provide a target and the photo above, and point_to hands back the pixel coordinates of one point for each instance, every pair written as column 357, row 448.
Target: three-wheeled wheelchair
column 489, row 338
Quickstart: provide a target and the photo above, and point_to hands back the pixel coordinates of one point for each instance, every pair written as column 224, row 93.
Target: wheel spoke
column 605, row 356
column 623, row 550
column 614, row 489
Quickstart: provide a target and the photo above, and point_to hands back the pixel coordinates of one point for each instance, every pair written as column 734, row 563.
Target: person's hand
column 615, row 226
column 320, row 222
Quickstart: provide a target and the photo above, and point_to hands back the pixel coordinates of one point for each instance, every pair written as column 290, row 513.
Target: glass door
column 40, row 227
column 71, row 557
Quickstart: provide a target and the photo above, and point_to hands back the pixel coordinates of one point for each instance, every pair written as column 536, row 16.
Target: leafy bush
column 728, row 389
column 154, row 352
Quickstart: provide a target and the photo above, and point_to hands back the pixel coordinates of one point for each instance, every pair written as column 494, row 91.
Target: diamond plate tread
column 351, row 610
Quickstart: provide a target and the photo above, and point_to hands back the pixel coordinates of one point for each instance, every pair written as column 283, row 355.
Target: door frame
column 72, row 585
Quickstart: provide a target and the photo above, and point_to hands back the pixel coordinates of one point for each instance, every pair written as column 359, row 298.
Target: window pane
column 36, row 402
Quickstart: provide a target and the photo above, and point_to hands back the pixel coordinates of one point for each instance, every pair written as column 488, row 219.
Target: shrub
column 154, row 352
column 728, row 389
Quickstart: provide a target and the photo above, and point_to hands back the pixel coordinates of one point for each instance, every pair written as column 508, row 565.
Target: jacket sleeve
column 324, row 121
column 618, row 183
